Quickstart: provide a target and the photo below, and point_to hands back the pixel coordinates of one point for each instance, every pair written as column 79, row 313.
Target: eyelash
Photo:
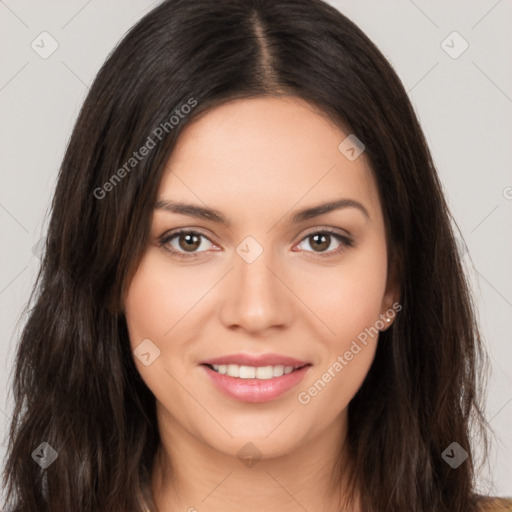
column 345, row 242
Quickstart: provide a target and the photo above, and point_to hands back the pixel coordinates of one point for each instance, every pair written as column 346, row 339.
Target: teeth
column 246, row 372
column 264, row 372
column 233, row 370
column 278, row 370
column 253, row 372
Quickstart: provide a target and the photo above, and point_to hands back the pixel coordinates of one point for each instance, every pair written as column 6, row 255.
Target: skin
column 258, row 161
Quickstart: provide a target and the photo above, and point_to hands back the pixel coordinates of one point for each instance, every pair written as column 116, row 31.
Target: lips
column 255, row 379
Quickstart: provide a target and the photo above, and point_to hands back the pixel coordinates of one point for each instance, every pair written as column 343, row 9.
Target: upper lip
column 255, row 360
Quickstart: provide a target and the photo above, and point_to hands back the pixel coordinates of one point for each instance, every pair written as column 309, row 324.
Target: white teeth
column 247, row 372
column 264, row 372
column 253, row 372
column 278, row 370
column 233, row 370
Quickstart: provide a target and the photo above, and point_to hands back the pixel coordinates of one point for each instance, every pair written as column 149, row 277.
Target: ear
column 391, row 300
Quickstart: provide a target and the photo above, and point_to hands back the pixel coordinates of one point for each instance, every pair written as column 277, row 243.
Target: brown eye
column 189, row 241
column 321, row 242
column 185, row 243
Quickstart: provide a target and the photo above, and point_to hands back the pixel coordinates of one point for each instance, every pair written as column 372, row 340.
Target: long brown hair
column 75, row 384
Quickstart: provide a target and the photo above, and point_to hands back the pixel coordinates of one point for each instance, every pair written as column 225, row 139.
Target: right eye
column 184, row 243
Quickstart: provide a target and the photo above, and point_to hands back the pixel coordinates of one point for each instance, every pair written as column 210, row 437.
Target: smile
column 262, row 381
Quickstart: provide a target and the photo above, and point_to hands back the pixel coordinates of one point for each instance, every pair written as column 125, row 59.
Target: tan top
column 496, row 505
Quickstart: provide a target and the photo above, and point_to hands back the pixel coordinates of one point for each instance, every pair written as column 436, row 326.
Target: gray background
column 464, row 104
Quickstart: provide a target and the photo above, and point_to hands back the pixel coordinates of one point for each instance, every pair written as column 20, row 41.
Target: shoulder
column 495, row 504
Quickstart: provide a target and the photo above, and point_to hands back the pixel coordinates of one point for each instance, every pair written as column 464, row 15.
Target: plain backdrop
column 463, row 97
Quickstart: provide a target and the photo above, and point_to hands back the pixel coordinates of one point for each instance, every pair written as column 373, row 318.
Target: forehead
column 261, row 151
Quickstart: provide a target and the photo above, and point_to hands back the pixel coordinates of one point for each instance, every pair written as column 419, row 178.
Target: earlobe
column 386, row 322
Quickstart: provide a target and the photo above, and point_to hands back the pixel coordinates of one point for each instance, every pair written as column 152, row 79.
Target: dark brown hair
column 75, row 384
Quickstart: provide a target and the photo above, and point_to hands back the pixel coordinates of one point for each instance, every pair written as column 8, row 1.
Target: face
column 252, row 305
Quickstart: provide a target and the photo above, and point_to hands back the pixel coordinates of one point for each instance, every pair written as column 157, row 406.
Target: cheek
column 145, row 310
column 348, row 297
column 159, row 297
column 158, row 306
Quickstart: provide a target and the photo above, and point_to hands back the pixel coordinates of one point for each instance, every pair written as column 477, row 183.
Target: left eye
column 322, row 240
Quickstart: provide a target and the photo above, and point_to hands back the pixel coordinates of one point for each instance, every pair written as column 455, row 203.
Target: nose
column 256, row 296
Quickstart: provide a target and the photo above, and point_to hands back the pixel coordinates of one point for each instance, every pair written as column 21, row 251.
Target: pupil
column 323, row 245
column 190, row 245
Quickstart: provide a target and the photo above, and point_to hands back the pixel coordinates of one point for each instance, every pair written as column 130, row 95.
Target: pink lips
column 255, row 390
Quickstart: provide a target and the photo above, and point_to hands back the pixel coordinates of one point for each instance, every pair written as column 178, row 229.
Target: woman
column 251, row 297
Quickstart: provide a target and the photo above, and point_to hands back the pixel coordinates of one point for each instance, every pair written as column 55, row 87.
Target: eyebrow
column 193, row 210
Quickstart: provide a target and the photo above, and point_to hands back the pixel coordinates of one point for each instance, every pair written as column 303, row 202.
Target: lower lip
column 255, row 390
